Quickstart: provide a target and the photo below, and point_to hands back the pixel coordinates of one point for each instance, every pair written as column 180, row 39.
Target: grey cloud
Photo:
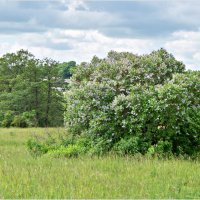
column 115, row 19
column 53, row 45
column 49, row 16
column 30, row 26
column 32, row 5
column 142, row 29
column 149, row 19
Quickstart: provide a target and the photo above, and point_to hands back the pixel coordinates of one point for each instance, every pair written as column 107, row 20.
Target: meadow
column 23, row 176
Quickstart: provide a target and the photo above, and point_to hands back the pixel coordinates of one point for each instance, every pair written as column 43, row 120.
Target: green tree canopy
column 30, row 85
column 66, row 69
column 150, row 99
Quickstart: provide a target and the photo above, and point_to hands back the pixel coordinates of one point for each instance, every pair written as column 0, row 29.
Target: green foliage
column 57, row 146
column 162, row 148
column 26, row 119
column 127, row 146
column 69, row 151
column 36, row 148
column 124, row 96
column 19, row 121
column 6, row 119
column 28, row 84
column 39, row 145
column 178, row 111
column 66, row 69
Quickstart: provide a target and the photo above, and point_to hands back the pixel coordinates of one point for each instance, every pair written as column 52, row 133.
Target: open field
column 22, row 176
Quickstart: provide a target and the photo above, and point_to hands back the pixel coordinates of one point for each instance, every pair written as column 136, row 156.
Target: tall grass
column 22, row 176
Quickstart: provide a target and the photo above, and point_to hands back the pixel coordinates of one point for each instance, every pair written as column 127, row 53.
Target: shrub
column 19, row 121
column 133, row 104
column 36, row 148
column 117, row 97
column 72, row 150
column 162, row 148
column 10, row 118
column 42, row 145
column 62, row 146
column 127, row 146
column 7, row 119
column 178, row 112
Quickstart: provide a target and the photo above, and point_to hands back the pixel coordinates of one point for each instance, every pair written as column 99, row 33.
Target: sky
column 79, row 29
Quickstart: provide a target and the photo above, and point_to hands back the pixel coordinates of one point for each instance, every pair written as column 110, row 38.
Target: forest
column 31, row 90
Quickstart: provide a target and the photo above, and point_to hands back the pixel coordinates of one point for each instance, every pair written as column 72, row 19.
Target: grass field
column 22, row 176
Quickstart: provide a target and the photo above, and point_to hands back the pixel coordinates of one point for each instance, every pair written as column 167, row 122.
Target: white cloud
column 185, row 45
column 81, row 45
column 186, row 12
column 75, row 4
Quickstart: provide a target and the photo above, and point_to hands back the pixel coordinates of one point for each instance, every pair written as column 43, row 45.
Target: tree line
column 31, row 90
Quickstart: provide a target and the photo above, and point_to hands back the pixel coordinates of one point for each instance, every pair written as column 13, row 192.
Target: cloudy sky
column 78, row 29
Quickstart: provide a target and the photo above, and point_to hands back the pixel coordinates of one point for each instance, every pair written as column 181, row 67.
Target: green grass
column 22, row 176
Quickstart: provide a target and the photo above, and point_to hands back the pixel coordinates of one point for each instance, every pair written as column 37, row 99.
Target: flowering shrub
column 178, row 111
column 148, row 97
column 132, row 104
